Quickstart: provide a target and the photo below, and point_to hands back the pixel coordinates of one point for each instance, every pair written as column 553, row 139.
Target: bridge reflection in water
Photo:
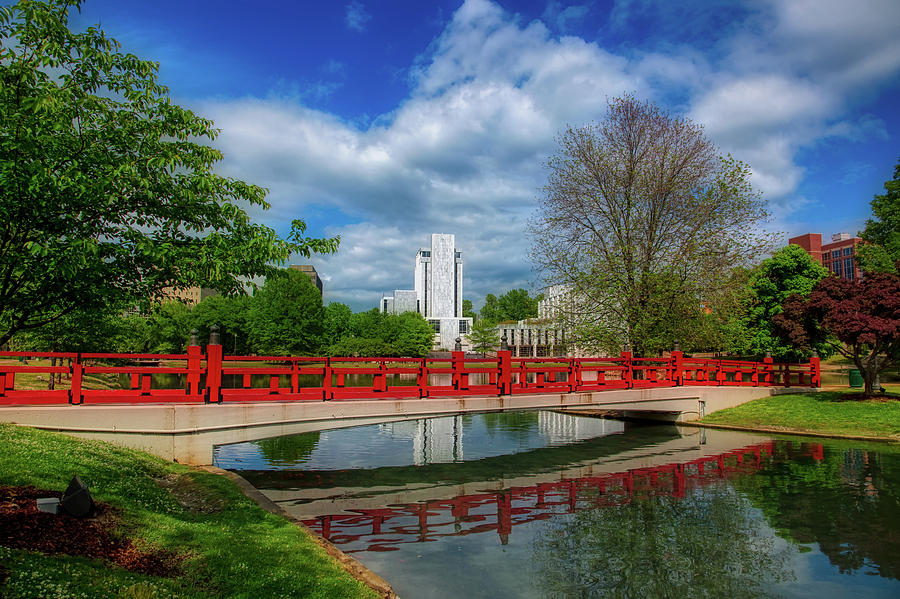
column 384, row 529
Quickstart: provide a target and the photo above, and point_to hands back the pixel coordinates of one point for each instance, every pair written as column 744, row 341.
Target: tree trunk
column 52, row 383
column 869, row 376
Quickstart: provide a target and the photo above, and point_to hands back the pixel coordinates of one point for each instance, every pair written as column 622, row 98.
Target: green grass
column 239, row 551
column 825, row 412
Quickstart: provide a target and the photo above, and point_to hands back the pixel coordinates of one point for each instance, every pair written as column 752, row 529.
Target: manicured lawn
column 825, row 412
column 229, row 545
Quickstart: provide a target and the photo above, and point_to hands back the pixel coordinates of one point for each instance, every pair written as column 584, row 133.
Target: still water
column 543, row 504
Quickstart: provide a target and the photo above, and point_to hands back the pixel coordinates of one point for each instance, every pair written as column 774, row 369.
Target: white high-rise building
column 437, row 293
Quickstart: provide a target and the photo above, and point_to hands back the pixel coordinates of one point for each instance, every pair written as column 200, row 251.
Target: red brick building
column 837, row 256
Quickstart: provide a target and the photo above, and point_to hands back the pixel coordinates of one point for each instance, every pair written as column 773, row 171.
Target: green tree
column 108, row 191
column 410, row 334
column 881, row 252
column 516, row 304
column 483, row 335
column 229, row 313
column 642, row 220
column 77, row 331
column 285, row 316
column 338, row 323
column 362, row 347
column 491, row 309
column 789, row 271
column 368, row 325
column 373, row 334
column 134, row 337
column 468, row 312
column 169, row 326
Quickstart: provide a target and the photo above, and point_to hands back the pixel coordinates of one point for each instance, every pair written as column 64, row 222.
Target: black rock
column 77, row 501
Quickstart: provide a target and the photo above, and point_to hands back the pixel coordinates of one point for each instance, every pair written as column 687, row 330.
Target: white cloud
column 463, row 153
column 357, row 17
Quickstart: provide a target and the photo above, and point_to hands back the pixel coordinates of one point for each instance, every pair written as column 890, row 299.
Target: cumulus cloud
column 463, row 153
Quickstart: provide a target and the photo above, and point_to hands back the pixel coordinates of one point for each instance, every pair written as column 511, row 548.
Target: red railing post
column 214, row 367
column 195, row 369
column 677, row 361
column 327, row 392
column 721, row 375
column 769, row 371
column 379, row 383
column 815, row 368
column 77, row 373
column 628, row 373
column 422, row 377
column 574, row 378
column 458, row 362
column 504, row 377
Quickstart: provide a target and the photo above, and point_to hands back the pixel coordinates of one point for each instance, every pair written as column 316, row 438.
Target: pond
column 543, row 504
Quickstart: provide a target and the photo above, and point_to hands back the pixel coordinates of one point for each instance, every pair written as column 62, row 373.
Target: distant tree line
column 284, row 317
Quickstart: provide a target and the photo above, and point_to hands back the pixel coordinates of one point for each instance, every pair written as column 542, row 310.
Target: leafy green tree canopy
column 108, row 191
column 285, row 316
column 483, row 335
column 229, row 313
column 491, row 309
column 468, row 312
column 881, row 253
column 373, row 334
column 789, row 271
column 515, row 304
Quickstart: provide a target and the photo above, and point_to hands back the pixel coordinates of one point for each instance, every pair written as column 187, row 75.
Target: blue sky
column 386, row 121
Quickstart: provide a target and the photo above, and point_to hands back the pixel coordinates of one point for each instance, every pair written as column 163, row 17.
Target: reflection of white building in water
column 440, row 440
column 564, row 428
column 435, row 440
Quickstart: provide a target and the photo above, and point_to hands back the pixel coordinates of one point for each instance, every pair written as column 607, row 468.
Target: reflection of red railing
column 212, row 377
column 384, row 529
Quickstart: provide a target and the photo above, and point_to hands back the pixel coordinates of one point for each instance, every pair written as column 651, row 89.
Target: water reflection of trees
column 848, row 503
column 708, row 544
column 293, row 449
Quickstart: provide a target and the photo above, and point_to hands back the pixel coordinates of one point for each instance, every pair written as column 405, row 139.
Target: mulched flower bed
column 22, row 526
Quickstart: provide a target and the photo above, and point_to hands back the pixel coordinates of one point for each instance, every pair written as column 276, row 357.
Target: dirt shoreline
column 349, row 564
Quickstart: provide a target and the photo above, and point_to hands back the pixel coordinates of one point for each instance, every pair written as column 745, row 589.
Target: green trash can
column 856, row 379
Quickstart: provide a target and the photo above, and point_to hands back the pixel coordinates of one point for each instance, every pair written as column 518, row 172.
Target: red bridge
column 210, row 377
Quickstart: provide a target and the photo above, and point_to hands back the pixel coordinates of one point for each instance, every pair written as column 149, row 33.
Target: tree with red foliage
column 861, row 320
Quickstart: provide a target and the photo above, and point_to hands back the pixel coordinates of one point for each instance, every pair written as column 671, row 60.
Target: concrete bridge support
column 187, row 433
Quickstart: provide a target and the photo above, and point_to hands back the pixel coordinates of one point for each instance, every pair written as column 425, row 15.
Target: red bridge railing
column 210, row 377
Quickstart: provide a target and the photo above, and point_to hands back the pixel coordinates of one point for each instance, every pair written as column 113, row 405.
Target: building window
column 836, row 254
column 426, row 254
column 436, row 325
column 848, row 251
column 836, row 268
column 385, row 306
column 463, row 327
column 848, row 267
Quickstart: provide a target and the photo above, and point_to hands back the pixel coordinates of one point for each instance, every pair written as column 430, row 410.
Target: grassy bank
column 227, row 546
column 827, row 412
